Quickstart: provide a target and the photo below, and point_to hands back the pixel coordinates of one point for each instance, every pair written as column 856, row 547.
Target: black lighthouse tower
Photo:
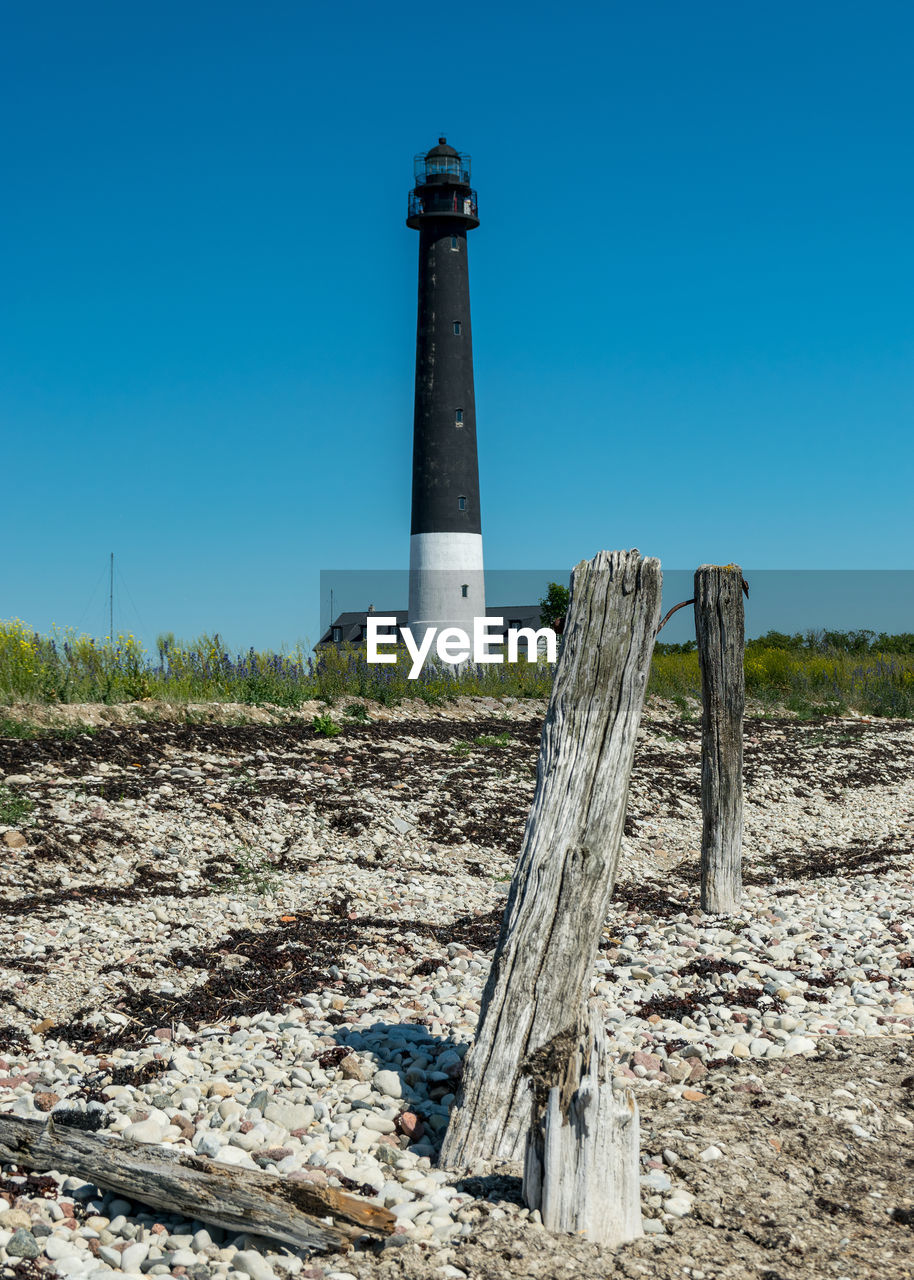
column 446, row 567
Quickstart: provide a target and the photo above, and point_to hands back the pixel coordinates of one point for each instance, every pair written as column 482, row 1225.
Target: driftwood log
column 720, row 629
column 557, row 903
column 582, row 1164
column 306, row 1216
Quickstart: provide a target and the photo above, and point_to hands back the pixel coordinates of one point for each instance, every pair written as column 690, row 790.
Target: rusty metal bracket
column 681, row 605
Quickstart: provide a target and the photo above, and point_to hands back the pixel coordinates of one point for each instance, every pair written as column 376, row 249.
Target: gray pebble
column 22, row 1244
column 253, row 1264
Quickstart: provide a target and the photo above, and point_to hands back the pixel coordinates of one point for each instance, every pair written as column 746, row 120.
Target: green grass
column 809, row 675
column 13, row 806
column 481, row 740
column 250, row 872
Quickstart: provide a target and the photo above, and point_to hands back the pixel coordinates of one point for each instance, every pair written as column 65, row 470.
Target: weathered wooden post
column 582, row 1164
column 532, row 1016
column 720, row 628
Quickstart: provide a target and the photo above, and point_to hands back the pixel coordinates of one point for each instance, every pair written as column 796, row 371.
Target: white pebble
column 388, row 1083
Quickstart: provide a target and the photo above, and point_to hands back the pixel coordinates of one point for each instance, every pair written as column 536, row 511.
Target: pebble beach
column 268, row 947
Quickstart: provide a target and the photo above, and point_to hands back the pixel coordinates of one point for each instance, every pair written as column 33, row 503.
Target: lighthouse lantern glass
column 442, row 168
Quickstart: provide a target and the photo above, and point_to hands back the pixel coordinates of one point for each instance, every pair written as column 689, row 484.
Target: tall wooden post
column 720, row 628
column 531, row 1017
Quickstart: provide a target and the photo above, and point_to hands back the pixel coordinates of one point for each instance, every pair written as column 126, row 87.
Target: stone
column 656, row 1181
column 210, row 1145
column 273, row 1155
column 408, row 1123
column 252, row 1264
column 134, row 1254
column 56, row 1248
column 351, row 1068
column 14, row 840
column 22, row 1244
column 678, row 1204
column 145, row 1131
column 388, row 1083
column 12, row 1219
column 650, row 1061
column 379, row 1124
column 185, row 1125
column 710, row 1153
column 234, row 1155
column 289, row 1115
column 798, row 1044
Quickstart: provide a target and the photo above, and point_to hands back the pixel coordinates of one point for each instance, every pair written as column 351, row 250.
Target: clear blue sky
column 692, row 291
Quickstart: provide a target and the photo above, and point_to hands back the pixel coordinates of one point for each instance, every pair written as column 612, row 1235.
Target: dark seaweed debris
column 755, row 998
column 651, row 899
column 90, row 1121
column 33, row 1185
column 674, row 1007
column 704, row 966
column 299, row 956
column 13, row 1038
column 687, row 1002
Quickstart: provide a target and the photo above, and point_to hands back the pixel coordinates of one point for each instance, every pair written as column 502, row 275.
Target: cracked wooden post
column 720, row 628
column 550, row 932
column 582, row 1166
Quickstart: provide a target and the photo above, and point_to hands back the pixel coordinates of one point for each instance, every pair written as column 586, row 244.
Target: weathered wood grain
column 582, row 1165
column 559, row 895
column 224, row 1195
column 720, row 629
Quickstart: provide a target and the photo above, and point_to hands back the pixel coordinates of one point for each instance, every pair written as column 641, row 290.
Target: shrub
column 873, row 674
column 325, row 726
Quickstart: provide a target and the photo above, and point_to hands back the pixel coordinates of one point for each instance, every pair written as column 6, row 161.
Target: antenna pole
column 111, row 601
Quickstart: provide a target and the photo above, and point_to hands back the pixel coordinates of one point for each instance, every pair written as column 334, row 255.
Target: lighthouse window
column 461, row 504
column 465, row 590
column 337, row 634
column 455, row 244
column 458, row 417
column 457, row 326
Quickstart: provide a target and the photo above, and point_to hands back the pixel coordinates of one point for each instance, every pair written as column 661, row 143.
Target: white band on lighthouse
column 446, row 587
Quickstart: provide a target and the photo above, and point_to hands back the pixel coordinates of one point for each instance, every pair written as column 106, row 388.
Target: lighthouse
column 446, row 573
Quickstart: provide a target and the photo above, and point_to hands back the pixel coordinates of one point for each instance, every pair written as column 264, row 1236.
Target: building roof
column 442, row 149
